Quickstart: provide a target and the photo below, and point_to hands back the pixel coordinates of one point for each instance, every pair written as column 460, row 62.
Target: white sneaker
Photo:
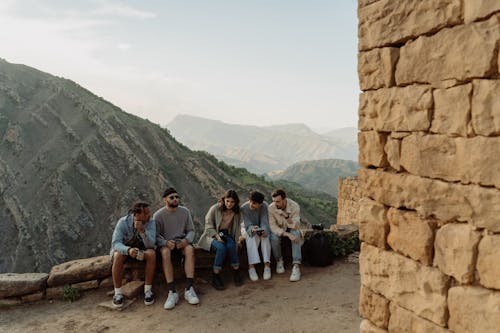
column 267, row 273
column 295, row 276
column 172, row 300
column 280, row 267
column 253, row 274
column 190, row 296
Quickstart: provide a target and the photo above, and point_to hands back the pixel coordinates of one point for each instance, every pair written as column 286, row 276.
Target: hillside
column 71, row 164
column 320, row 175
column 261, row 149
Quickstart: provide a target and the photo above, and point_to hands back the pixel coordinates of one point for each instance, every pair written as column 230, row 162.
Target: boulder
column 14, row 284
column 80, row 270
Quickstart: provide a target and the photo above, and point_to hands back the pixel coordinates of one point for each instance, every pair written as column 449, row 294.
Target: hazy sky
column 256, row 62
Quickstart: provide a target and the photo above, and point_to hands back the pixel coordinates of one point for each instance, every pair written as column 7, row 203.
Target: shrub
column 71, row 293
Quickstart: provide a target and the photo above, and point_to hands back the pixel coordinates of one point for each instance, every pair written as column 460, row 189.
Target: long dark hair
column 233, row 195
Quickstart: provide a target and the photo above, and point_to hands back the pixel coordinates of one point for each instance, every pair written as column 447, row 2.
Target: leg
column 117, row 269
column 276, row 246
column 150, row 258
column 168, row 268
column 252, row 250
column 296, row 247
column 233, row 252
column 265, row 246
column 220, row 255
column 189, row 259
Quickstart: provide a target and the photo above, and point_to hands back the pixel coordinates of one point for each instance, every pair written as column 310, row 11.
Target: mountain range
column 263, row 149
column 72, row 163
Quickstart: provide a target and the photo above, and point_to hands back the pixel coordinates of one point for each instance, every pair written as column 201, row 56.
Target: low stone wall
column 348, row 201
column 429, row 121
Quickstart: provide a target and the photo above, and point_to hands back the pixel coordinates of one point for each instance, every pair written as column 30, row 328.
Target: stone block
column 373, row 223
column 374, row 307
column 132, row 289
column 477, row 205
column 396, row 109
column 15, row 284
column 33, row 297
column 393, row 151
column 447, row 54
column 409, row 284
column 7, row 302
column 388, row 22
column 456, row 251
column 54, row 292
column 488, row 261
column 452, row 111
column 478, row 9
column 403, row 320
column 86, row 285
column 80, row 270
column 486, row 107
column 107, row 283
column 371, row 148
column 411, row 235
column 376, row 68
column 367, row 327
column 473, row 310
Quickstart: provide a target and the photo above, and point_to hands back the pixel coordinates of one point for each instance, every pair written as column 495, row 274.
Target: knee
column 296, row 233
column 118, row 258
column 150, row 254
column 189, row 251
column 165, row 253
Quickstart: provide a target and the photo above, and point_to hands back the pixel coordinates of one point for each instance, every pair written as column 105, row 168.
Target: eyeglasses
column 172, row 197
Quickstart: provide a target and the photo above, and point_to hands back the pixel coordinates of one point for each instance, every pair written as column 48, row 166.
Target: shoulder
column 245, row 206
column 183, row 210
column 122, row 221
column 272, row 207
column 292, row 203
column 159, row 212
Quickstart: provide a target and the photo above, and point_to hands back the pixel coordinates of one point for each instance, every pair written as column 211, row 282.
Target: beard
column 173, row 205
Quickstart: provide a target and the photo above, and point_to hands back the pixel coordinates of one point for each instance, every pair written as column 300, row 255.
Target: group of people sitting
column 170, row 234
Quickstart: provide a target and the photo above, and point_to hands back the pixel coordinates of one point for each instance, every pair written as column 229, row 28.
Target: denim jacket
column 124, row 231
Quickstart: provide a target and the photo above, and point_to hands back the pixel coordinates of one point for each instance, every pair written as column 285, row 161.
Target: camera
column 223, row 236
column 259, row 231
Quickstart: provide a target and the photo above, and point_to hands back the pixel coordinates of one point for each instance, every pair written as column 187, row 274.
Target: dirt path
column 325, row 300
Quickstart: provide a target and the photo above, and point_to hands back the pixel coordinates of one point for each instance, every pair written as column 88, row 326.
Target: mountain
column 261, row 149
column 320, row 175
column 72, row 163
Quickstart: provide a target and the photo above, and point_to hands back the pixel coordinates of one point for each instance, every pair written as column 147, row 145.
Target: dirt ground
column 324, row 300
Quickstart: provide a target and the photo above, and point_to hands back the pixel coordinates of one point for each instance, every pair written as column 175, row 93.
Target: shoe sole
column 117, row 306
column 149, row 303
column 192, row 303
column 170, row 308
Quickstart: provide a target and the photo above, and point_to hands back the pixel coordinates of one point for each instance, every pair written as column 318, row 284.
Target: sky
column 253, row 62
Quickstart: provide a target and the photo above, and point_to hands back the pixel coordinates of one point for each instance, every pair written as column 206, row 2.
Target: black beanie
column 168, row 191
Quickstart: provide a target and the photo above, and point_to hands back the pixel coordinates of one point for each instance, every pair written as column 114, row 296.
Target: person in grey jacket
column 174, row 237
column 222, row 232
column 134, row 237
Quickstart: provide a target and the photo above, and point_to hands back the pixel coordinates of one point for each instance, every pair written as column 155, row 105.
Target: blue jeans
column 296, row 247
column 221, row 249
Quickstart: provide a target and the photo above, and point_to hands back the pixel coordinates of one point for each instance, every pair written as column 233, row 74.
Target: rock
column 6, row 302
column 55, row 292
column 367, row 327
column 86, row 285
column 344, row 231
column 14, row 284
column 456, row 251
column 486, row 107
column 371, row 149
column 411, row 285
column 393, row 151
column 374, row 307
column 373, row 223
column 488, row 260
column 80, row 270
column 33, row 297
column 106, row 283
column 478, row 9
column 403, row 320
column 452, row 111
column 132, row 289
column 376, row 68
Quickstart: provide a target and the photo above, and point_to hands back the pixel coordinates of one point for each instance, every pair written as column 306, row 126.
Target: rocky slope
column 71, row 164
column 263, row 149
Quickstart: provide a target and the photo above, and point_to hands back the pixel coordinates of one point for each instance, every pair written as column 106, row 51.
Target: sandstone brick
column 473, row 310
column 399, row 135
column 477, row 9
column 416, row 287
column 452, row 111
column 477, row 205
column 33, row 297
column 488, row 261
column 392, row 150
column 467, row 160
column 411, row 235
column 486, row 107
column 456, row 251
column 367, row 327
column 387, row 21
column 376, row 68
column 374, row 307
column 107, row 282
column 373, row 223
column 396, row 109
column 15, row 284
column 80, row 270
column 403, row 320
column 371, row 148
column 448, row 54
column 55, row 292
column 86, row 285
column 132, row 289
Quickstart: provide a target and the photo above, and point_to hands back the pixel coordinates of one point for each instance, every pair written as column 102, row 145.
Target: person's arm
column 245, row 213
column 264, row 219
column 273, row 223
column 117, row 239
column 149, row 235
column 295, row 216
column 160, row 240
column 210, row 225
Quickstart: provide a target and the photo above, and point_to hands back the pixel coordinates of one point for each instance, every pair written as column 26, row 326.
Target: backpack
column 317, row 250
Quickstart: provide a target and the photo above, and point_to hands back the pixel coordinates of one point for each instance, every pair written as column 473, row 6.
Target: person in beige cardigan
column 222, row 232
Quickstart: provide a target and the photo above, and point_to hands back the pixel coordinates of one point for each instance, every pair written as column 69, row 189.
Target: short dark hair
column 257, row 197
column 279, row 192
column 138, row 207
column 168, row 191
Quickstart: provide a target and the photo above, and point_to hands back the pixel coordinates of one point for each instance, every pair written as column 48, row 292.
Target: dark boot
column 217, row 282
column 237, row 277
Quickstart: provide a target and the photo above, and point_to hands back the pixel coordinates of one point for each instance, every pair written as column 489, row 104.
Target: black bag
column 317, row 250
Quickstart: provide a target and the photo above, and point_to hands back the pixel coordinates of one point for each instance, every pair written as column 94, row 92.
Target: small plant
column 340, row 247
column 71, row 293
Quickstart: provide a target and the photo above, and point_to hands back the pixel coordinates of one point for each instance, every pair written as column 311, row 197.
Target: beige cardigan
column 212, row 223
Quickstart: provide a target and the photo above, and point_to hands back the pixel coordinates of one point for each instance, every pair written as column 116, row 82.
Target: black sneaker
column 149, row 298
column 237, row 278
column 217, row 282
column 118, row 300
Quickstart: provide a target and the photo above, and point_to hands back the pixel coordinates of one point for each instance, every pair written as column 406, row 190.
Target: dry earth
column 325, row 300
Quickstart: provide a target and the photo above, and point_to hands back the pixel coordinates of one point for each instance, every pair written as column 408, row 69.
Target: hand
column 182, row 244
column 132, row 251
column 139, row 226
column 217, row 237
column 254, row 229
column 171, row 245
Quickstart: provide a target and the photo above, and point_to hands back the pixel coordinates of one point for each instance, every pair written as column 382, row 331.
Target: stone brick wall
column 429, row 147
column 349, row 194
